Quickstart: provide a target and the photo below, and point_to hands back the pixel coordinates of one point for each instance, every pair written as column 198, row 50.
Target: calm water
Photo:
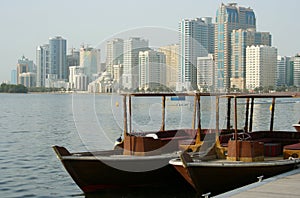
column 31, row 123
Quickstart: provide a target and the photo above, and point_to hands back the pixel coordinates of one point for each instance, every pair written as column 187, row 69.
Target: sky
column 25, row 24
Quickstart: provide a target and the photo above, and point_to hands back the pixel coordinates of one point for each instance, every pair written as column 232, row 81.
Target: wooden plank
column 284, row 185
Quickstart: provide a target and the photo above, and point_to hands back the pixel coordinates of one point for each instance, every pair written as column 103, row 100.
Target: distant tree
column 258, row 89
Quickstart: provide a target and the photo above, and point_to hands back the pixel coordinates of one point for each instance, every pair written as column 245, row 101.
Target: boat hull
column 297, row 127
column 218, row 178
column 119, row 172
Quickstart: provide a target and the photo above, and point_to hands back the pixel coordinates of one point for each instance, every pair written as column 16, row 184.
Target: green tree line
column 8, row 88
column 45, row 89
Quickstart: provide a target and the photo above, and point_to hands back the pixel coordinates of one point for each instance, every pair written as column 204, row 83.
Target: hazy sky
column 25, row 24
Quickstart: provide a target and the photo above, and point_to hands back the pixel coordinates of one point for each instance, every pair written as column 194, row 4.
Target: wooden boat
column 239, row 159
column 297, row 127
column 140, row 160
column 107, row 170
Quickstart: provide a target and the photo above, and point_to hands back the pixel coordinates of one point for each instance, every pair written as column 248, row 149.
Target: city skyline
column 100, row 24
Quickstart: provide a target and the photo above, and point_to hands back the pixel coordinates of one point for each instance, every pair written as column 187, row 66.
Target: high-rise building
column 131, row 50
column 73, row 72
column 90, row 58
column 240, row 39
column 73, row 57
column 172, row 64
column 296, row 70
column 205, row 72
column 24, row 65
column 290, row 72
column 28, row 79
column 58, row 57
column 261, row 66
column 228, row 18
column 152, row 70
column 117, row 75
column 195, row 40
column 13, row 77
column 114, row 54
column 211, row 34
column 42, row 64
column 81, row 82
column 283, row 62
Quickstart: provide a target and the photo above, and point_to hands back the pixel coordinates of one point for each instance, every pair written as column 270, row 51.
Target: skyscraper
column 73, row 58
column 240, row 39
column 28, row 79
column 58, row 57
column 205, row 72
column 260, row 66
column 73, row 72
column 283, row 63
column 24, row 65
column 13, row 77
column 114, row 54
column 42, row 64
column 90, row 59
column 296, row 69
column 290, row 72
column 195, row 40
column 228, row 18
column 152, row 69
column 131, row 50
column 172, row 63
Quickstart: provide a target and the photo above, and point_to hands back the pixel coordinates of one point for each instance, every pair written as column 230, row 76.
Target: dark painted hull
column 218, row 177
column 103, row 172
column 297, row 127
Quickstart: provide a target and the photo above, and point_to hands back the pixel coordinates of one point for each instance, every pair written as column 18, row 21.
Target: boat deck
column 284, row 185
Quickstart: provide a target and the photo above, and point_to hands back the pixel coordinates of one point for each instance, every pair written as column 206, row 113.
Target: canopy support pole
column 272, row 114
column 163, row 113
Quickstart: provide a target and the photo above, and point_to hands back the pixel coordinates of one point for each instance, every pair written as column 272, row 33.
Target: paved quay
column 281, row 186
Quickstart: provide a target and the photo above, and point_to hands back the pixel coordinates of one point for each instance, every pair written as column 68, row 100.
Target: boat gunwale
column 240, row 164
column 120, row 157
